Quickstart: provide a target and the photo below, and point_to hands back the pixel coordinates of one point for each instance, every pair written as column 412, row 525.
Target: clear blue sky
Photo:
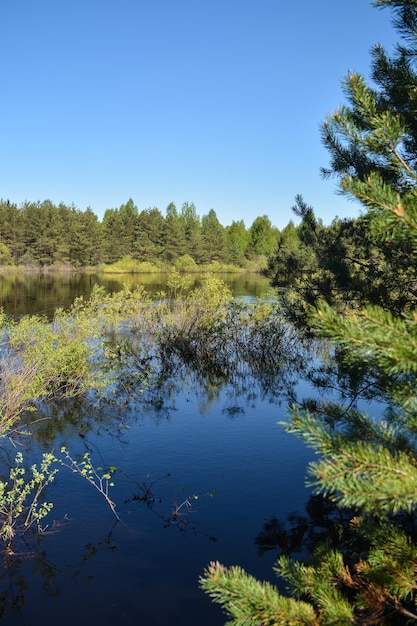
column 217, row 103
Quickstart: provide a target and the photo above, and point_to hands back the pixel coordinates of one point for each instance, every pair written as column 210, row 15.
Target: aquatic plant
column 21, row 507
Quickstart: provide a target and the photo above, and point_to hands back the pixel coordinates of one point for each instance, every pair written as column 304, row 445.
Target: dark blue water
column 145, row 568
column 197, row 478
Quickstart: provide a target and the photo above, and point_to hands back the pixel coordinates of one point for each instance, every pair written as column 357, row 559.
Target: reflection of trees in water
column 30, row 564
column 245, row 354
column 75, row 418
column 322, row 523
column 249, row 358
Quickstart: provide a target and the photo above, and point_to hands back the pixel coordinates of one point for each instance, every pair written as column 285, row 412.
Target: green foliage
column 21, row 507
column 211, row 338
column 250, row 602
column 213, row 239
column 192, row 231
column 41, row 234
column 322, row 585
column 237, row 242
column 174, row 235
column 119, row 340
column 375, row 474
column 42, row 361
column 219, row 268
column 346, row 265
column 297, row 248
column 376, row 335
column 126, row 265
column 22, row 504
column 186, row 264
column 129, row 266
column 263, row 237
column 85, row 469
column 365, row 464
column 5, row 255
column 190, row 325
column 177, row 283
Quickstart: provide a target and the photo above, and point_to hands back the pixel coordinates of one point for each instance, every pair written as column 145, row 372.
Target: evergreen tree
column 174, row 239
column 297, row 250
column 292, row 258
column 149, row 242
column 130, row 227
column 237, row 239
column 113, row 236
column 41, row 228
column 344, row 264
column 64, row 222
column 86, row 241
column 11, row 230
column 192, row 231
column 365, row 464
column 214, row 238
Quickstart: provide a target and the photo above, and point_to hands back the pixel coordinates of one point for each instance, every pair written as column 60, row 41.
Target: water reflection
column 38, row 293
column 323, row 523
column 24, row 572
column 200, row 462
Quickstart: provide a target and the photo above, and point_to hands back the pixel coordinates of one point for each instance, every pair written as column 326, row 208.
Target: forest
column 351, row 285
column 43, row 234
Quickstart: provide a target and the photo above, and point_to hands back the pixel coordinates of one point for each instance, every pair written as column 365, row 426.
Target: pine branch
column 377, row 336
column 248, row 601
column 369, row 477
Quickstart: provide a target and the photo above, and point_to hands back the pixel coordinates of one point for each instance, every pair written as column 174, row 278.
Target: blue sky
column 217, row 103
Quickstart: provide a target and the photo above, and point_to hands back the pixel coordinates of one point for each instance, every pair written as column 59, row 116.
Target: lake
column 23, row 294
column 207, row 474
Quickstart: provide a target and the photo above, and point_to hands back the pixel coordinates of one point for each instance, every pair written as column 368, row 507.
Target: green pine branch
column 249, row 602
column 376, row 336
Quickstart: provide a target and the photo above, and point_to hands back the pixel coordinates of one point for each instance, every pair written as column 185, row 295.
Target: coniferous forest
column 43, row 234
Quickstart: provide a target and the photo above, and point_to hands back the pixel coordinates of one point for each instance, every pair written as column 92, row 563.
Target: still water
column 197, row 480
column 23, row 294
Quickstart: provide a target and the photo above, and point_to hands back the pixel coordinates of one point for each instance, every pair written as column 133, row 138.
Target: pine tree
column 113, row 236
column 297, row 247
column 148, row 245
column 174, row 236
column 86, row 241
column 11, row 229
column 366, row 464
column 213, row 238
column 192, row 231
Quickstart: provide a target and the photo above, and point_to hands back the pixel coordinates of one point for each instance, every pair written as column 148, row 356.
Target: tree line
column 44, row 234
column 339, row 260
